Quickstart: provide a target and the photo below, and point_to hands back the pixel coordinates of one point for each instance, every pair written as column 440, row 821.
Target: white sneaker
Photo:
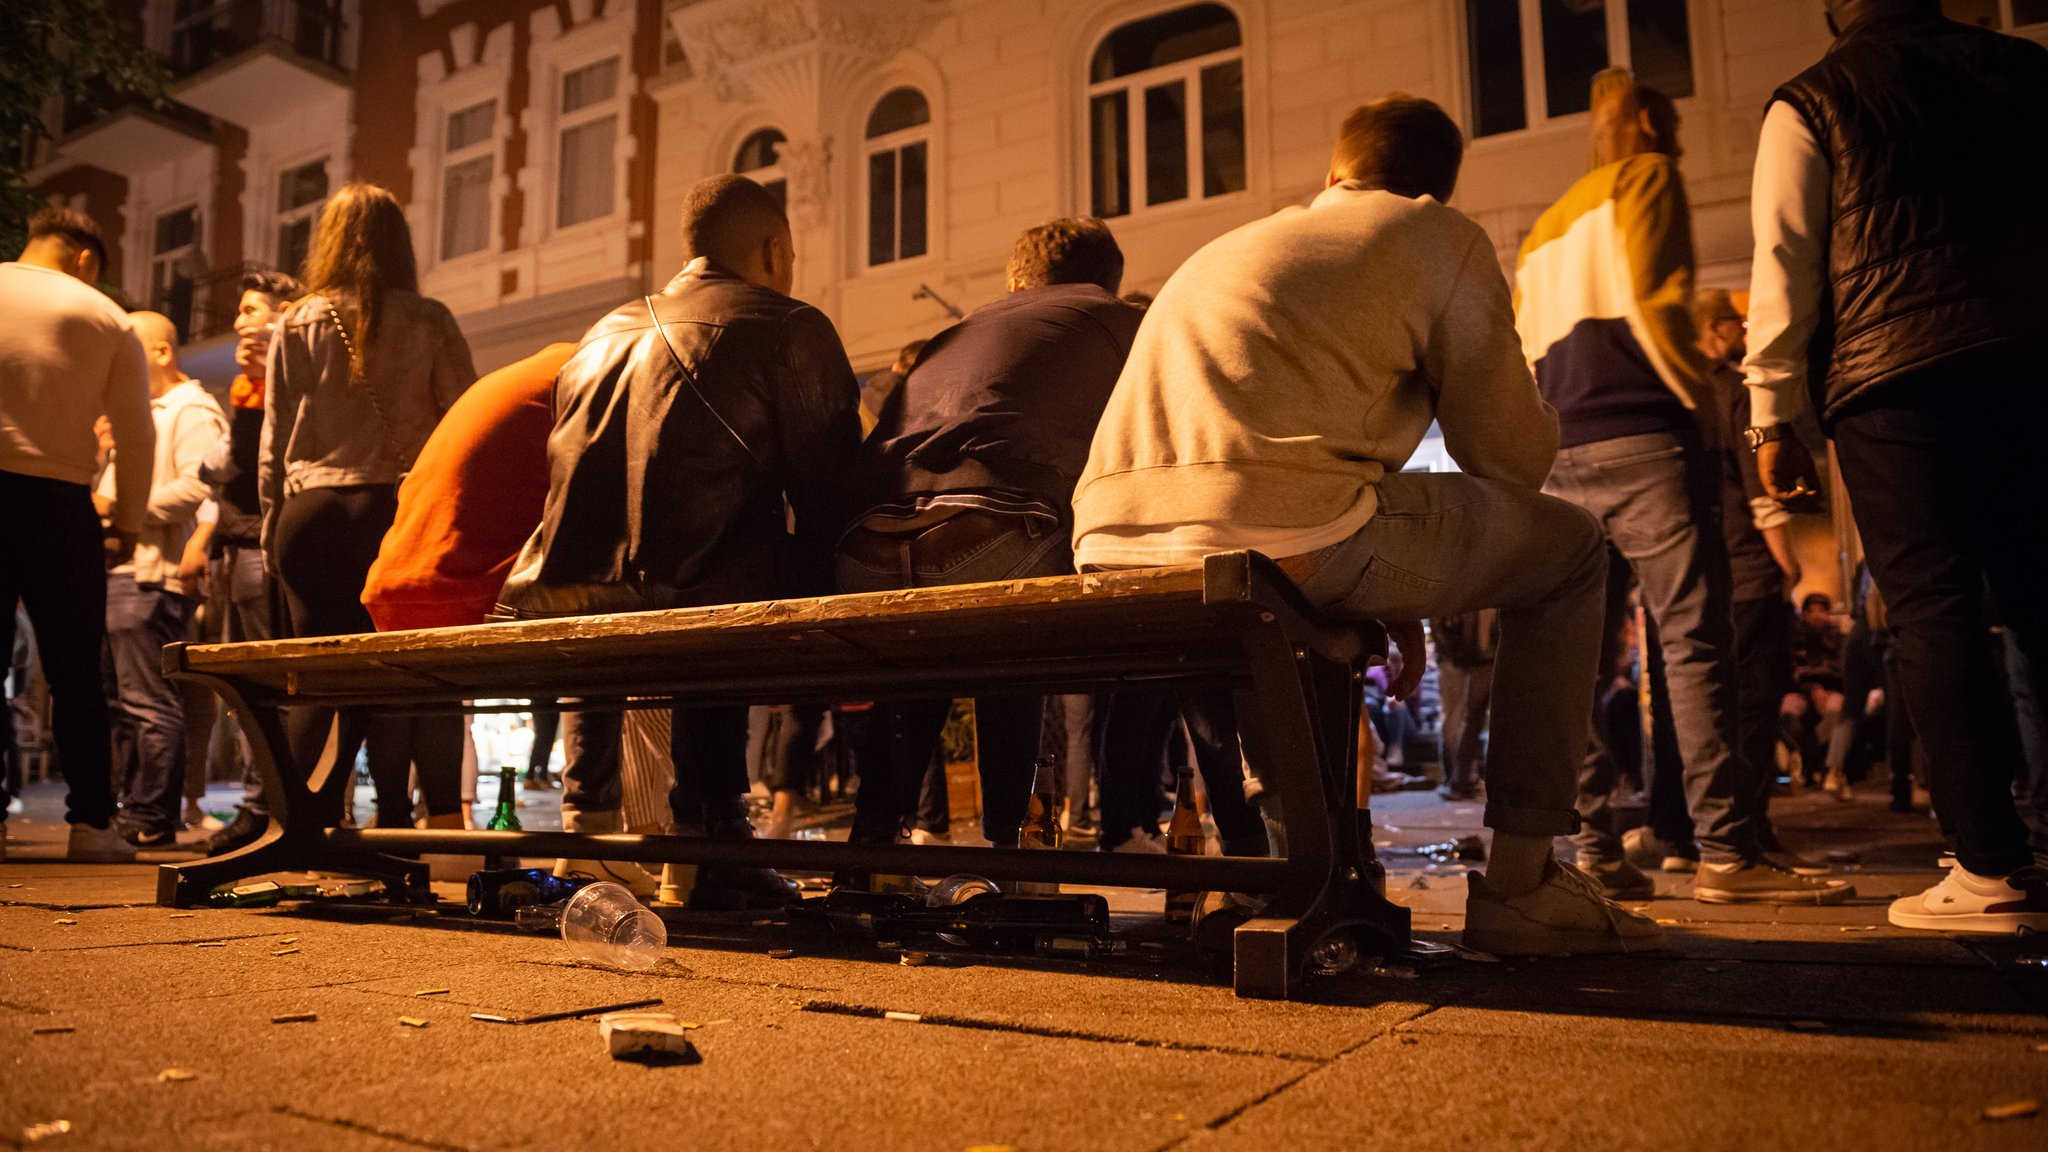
column 636, row 878
column 920, row 836
column 90, row 845
column 1966, row 902
column 1566, row 915
column 1143, row 843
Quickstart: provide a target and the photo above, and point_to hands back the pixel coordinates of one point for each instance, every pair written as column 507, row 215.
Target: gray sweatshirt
column 321, row 430
column 1289, row 364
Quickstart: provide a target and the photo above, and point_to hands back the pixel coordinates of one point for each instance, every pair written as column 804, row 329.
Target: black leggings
column 327, row 538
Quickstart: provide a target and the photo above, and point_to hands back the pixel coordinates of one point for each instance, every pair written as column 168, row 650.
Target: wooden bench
column 1234, row 621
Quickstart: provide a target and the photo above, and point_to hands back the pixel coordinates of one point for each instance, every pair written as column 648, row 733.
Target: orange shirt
column 474, row 496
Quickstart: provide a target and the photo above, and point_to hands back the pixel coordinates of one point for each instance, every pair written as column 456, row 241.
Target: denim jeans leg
column 1658, row 498
column 1443, row 545
column 140, row 621
column 591, row 751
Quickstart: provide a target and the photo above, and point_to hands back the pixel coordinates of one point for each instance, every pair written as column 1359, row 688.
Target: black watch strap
column 1758, row 437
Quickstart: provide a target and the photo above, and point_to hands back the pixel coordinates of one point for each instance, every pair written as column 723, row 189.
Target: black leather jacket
column 682, row 423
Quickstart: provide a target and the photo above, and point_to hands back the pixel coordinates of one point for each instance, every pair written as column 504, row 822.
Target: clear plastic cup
column 607, row 924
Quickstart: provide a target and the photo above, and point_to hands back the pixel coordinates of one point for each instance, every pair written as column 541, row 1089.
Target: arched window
column 760, row 159
column 898, row 161
column 1166, row 110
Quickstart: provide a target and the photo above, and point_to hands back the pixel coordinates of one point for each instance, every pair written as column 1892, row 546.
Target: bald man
column 701, row 436
column 149, row 602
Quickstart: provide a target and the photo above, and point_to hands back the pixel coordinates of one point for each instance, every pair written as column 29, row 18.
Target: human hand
column 1786, row 469
column 1874, row 702
column 103, row 430
column 1408, row 640
column 119, row 545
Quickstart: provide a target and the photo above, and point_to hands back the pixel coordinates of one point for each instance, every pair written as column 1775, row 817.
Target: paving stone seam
column 145, row 943
column 979, row 1024
column 368, row 1129
column 673, row 969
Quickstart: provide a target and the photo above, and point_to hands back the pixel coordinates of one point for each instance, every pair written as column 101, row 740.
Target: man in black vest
column 1901, row 288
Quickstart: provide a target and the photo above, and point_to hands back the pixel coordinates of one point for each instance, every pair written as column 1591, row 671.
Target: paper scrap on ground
column 652, row 1038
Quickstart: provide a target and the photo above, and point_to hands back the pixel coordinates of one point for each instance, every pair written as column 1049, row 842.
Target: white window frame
column 762, row 176
column 895, row 142
column 483, row 71
column 193, row 251
column 279, row 219
column 1189, row 73
column 565, row 122
column 1535, row 96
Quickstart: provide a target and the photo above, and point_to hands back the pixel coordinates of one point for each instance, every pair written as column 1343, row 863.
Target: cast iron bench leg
column 295, row 841
column 1299, row 717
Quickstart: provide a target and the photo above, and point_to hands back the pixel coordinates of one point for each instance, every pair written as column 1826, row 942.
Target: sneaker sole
column 1792, row 896
column 1999, row 923
column 1555, row 943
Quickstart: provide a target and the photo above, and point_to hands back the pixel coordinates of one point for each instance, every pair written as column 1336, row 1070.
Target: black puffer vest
column 1936, row 137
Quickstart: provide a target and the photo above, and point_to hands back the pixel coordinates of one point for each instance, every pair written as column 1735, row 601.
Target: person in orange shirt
column 473, row 497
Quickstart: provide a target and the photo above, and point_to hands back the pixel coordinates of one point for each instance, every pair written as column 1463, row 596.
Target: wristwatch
column 1758, row 437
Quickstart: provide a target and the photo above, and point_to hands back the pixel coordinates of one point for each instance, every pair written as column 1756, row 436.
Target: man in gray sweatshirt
column 1282, row 378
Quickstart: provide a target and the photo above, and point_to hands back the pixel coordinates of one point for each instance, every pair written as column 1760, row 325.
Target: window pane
column 585, row 187
column 175, row 230
column 1166, row 143
column 590, row 85
column 881, row 208
column 761, row 150
column 293, row 239
column 1574, row 51
column 466, row 208
column 1109, row 154
column 298, row 187
column 1660, row 45
column 911, row 242
column 1493, row 30
column 1168, row 38
column 470, row 126
column 1977, row 13
column 2029, row 12
column 1223, row 128
column 900, row 109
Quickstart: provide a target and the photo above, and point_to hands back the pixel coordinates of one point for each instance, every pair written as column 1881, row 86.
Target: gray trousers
column 242, row 588
column 1444, row 545
column 1467, row 690
column 1657, row 496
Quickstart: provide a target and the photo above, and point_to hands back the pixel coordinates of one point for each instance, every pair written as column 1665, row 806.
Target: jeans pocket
column 1387, row 590
column 1635, row 459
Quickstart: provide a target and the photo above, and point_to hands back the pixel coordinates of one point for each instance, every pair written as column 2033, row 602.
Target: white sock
column 1517, row 863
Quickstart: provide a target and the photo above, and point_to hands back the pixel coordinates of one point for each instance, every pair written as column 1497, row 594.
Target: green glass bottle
column 505, row 818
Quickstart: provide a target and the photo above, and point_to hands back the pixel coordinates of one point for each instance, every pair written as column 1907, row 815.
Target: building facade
column 543, row 146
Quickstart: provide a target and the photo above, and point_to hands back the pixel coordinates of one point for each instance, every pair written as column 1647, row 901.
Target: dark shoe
column 721, row 888
column 1762, row 882
column 1619, row 879
column 241, row 832
column 1459, row 791
column 150, row 838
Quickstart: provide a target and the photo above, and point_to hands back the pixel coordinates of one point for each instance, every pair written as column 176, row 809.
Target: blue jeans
column 146, row 717
column 1658, row 498
column 1446, row 545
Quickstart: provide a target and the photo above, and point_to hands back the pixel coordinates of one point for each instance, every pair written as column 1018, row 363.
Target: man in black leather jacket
column 699, row 433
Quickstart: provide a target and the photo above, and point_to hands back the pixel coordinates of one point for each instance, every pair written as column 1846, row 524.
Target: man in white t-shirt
column 67, row 357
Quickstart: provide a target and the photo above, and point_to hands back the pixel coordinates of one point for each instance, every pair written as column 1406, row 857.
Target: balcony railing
column 311, row 28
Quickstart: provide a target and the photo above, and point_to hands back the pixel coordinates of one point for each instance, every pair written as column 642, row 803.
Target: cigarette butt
column 413, row 1021
column 66, row 920
column 914, row 959
column 289, row 940
column 1667, row 921
column 176, row 1075
column 295, row 1018
column 781, row 953
column 906, row 1017
column 2016, row 1110
column 763, row 923
column 211, row 944
column 284, row 951
column 51, row 1029
column 431, row 992
column 181, row 915
column 1858, row 928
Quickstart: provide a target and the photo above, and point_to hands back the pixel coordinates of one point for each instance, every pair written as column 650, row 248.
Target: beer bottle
column 505, row 818
column 1183, row 838
column 1042, row 816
